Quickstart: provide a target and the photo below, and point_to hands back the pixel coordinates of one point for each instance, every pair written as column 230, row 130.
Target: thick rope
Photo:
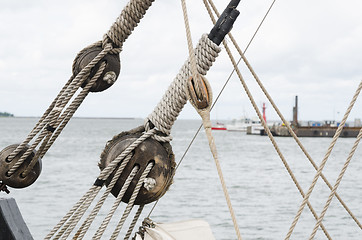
column 128, row 20
column 323, row 163
column 167, row 110
column 338, row 181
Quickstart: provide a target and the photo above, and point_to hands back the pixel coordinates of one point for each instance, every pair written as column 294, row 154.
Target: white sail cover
column 195, row 229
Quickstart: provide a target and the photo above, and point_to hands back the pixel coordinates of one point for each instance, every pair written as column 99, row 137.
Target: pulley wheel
column 17, row 180
column 110, row 73
column 148, row 151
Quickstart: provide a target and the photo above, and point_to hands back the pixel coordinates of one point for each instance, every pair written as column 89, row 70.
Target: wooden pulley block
column 203, row 99
column 17, row 179
column 160, row 176
column 110, row 73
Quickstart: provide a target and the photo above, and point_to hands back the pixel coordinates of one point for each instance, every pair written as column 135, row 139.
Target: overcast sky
column 308, row 48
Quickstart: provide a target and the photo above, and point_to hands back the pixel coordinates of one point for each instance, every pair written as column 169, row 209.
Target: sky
column 307, row 48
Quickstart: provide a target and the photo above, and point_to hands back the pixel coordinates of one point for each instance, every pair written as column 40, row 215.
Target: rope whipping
column 61, row 109
column 324, row 161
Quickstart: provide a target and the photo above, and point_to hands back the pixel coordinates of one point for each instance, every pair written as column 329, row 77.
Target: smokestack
column 295, row 112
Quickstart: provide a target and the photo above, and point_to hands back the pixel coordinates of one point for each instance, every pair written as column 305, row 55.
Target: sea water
column 263, row 196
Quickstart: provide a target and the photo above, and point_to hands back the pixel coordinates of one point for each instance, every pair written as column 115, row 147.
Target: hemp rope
column 118, row 33
column 338, row 181
column 275, row 106
column 323, row 163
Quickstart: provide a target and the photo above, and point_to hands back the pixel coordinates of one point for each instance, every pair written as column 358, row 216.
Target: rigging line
column 268, row 130
column 204, row 113
column 216, row 99
column 338, row 181
column 320, row 169
column 285, row 121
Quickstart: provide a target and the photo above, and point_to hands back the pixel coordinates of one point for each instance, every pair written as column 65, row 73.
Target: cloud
column 304, row 48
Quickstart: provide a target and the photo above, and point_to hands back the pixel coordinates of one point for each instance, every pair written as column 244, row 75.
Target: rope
column 265, row 126
column 117, row 34
column 84, row 228
column 192, row 58
column 127, row 21
column 167, row 110
column 339, row 179
column 69, row 221
column 286, row 123
column 116, row 203
column 134, row 221
column 205, row 115
column 320, row 169
column 131, row 201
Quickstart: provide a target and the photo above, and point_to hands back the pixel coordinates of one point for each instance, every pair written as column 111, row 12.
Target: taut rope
column 277, row 110
column 324, row 161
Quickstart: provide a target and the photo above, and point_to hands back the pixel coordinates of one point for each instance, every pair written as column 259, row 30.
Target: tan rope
column 338, row 181
column 331, row 146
